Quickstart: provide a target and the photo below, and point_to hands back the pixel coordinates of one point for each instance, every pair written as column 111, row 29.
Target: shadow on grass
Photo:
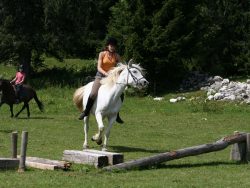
column 134, row 149
column 6, row 131
column 176, row 166
column 35, row 118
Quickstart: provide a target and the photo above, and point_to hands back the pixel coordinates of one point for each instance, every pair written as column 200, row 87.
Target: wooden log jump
column 8, row 163
column 82, row 157
column 93, row 157
column 46, row 164
column 181, row 153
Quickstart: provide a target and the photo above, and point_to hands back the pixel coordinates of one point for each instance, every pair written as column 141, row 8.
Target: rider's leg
column 118, row 118
column 91, row 98
column 18, row 87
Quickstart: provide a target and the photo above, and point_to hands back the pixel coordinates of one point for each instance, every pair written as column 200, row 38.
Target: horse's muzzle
column 143, row 83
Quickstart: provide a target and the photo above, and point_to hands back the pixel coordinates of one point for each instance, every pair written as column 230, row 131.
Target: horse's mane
column 115, row 72
column 113, row 75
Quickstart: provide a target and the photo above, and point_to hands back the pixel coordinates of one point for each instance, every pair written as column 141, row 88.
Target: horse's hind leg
column 28, row 109
column 86, row 129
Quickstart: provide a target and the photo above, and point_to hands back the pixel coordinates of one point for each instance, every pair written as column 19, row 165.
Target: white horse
column 108, row 102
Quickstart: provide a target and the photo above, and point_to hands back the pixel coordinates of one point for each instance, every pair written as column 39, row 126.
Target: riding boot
column 88, row 108
column 118, row 118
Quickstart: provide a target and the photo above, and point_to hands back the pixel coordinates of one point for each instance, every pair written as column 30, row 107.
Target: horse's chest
column 111, row 107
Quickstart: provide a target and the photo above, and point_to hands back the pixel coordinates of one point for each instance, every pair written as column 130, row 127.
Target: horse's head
column 135, row 75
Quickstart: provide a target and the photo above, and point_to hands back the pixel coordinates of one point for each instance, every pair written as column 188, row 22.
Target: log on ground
column 181, row 153
column 46, row 164
column 9, row 163
column 84, row 157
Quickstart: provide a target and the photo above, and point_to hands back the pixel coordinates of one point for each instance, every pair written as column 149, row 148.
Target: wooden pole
column 238, row 151
column 23, row 151
column 181, row 153
column 14, row 136
column 248, row 148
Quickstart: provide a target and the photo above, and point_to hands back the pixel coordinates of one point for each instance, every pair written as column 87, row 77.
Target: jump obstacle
column 93, row 157
column 110, row 161
column 14, row 162
column 240, row 152
column 22, row 161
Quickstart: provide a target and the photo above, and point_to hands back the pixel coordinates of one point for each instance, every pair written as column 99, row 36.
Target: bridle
column 132, row 75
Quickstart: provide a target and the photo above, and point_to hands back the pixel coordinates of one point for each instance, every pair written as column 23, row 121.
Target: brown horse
column 8, row 96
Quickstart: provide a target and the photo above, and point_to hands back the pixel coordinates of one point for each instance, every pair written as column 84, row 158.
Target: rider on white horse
column 106, row 61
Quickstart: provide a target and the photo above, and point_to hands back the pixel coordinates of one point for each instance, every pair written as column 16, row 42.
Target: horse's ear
column 130, row 62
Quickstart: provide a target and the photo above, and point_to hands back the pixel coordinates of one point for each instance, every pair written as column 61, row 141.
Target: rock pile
column 218, row 88
column 223, row 89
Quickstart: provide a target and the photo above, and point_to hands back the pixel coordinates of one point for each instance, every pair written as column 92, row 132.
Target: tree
column 21, row 30
column 172, row 37
column 59, row 28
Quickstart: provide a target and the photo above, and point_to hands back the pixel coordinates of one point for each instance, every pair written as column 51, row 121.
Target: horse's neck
column 8, row 91
column 116, row 91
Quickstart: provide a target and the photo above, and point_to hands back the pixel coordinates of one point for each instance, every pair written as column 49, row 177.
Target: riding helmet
column 20, row 67
column 111, row 41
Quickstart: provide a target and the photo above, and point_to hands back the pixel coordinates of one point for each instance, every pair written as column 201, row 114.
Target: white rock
column 173, row 100
column 180, row 98
column 217, row 79
column 231, row 98
column 225, row 81
column 158, row 98
column 210, row 97
column 218, row 96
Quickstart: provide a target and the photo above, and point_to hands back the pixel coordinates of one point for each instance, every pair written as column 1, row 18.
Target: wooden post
column 181, row 153
column 248, row 148
column 23, row 151
column 238, row 150
column 14, row 136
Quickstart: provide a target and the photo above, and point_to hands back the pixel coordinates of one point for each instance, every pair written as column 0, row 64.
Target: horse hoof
column 99, row 142
column 85, row 147
column 104, row 149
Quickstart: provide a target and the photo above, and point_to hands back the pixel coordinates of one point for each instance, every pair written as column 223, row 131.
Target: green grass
column 151, row 127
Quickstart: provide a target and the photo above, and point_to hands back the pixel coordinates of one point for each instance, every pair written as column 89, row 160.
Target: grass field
column 151, row 127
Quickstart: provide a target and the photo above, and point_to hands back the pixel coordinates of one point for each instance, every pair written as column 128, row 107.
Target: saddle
column 18, row 92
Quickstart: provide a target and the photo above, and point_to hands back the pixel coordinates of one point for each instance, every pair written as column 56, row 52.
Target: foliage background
column 168, row 37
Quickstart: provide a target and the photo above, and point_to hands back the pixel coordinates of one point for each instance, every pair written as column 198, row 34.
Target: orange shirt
column 108, row 62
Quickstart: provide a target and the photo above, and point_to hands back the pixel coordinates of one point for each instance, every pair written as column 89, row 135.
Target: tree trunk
column 25, row 59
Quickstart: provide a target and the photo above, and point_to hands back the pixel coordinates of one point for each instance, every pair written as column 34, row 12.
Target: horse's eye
column 134, row 71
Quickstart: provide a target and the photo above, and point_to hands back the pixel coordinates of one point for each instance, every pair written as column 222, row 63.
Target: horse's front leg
column 98, row 136
column 86, row 129
column 20, row 110
column 111, row 120
column 11, row 110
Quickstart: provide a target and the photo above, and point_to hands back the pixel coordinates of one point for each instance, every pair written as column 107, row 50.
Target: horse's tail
column 39, row 103
column 78, row 97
